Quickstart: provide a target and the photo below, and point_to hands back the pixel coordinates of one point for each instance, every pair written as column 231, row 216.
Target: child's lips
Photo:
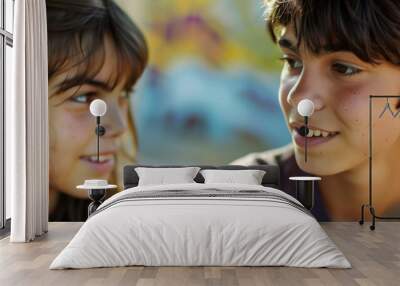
column 104, row 165
column 102, row 158
column 312, row 140
column 297, row 125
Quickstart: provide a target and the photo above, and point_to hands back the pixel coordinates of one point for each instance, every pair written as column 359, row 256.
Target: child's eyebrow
column 98, row 83
column 89, row 81
column 286, row 43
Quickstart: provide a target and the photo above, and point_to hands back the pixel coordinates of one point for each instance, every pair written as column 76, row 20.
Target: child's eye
column 344, row 69
column 126, row 94
column 84, row 98
column 293, row 63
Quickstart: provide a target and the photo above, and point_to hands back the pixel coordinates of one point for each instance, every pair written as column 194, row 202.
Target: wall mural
column 200, row 82
column 212, row 78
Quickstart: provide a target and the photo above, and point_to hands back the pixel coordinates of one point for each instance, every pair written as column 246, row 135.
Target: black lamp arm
column 100, row 131
column 306, row 132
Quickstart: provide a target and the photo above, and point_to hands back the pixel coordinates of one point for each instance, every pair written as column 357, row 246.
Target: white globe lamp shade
column 98, row 107
column 305, row 107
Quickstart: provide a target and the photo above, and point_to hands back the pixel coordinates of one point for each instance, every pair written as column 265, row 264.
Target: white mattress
column 183, row 231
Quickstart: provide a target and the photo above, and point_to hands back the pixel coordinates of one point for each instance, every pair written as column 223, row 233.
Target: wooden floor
column 375, row 257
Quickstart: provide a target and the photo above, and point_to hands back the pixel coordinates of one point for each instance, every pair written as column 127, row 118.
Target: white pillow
column 162, row 176
column 248, row 177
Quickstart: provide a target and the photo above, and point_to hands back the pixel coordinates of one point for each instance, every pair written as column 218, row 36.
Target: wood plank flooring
column 375, row 257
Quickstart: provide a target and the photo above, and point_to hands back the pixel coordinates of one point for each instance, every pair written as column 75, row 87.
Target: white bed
column 165, row 225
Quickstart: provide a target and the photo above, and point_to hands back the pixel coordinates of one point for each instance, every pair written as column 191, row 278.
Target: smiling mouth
column 315, row 132
column 103, row 159
column 314, row 136
column 102, row 167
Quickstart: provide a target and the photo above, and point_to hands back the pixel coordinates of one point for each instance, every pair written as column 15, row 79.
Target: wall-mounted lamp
column 98, row 108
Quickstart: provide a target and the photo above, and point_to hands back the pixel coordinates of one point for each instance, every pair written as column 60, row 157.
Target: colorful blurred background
column 210, row 93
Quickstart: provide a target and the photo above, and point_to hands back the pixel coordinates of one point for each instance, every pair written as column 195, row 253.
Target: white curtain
column 27, row 139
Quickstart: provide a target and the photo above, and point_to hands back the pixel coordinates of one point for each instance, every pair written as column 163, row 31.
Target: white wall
column 8, row 86
column 9, row 26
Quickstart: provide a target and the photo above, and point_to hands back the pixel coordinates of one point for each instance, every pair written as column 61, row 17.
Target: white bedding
column 182, row 231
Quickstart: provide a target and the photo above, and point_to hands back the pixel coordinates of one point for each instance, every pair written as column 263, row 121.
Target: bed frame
column 270, row 179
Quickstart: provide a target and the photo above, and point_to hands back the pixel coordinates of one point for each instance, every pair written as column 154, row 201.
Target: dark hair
column 368, row 28
column 77, row 30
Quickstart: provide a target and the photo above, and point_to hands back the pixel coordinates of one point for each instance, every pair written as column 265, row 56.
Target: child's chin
column 78, row 194
column 314, row 166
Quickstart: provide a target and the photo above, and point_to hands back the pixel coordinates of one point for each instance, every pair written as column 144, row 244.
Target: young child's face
column 73, row 142
column 339, row 84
